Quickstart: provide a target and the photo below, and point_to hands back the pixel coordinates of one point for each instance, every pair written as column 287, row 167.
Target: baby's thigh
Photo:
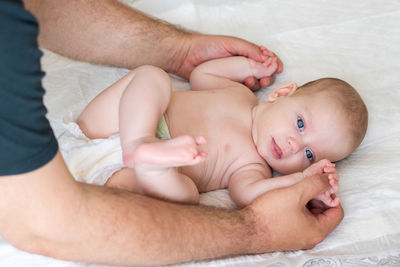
column 124, row 179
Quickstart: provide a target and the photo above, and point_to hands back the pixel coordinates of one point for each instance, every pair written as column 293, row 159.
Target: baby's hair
column 353, row 105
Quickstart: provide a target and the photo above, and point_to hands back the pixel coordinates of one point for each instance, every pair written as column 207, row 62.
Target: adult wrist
column 176, row 60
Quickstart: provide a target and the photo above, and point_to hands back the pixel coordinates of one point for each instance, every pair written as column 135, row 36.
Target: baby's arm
column 327, row 198
column 253, row 180
column 219, row 73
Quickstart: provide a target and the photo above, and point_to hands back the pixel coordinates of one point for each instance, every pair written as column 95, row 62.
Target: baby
column 176, row 144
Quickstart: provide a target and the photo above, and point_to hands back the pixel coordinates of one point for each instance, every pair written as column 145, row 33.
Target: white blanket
column 357, row 41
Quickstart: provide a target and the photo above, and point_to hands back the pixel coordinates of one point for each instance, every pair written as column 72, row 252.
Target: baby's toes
column 200, row 140
column 189, row 151
column 201, row 156
column 184, row 140
column 193, row 156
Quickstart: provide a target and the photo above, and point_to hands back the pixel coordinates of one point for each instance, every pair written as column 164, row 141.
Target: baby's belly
column 207, row 179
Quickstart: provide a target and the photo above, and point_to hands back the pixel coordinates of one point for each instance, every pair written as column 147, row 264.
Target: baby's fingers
column 334, row 176
column 329, row 169
column 333, row 202
column 334, row 186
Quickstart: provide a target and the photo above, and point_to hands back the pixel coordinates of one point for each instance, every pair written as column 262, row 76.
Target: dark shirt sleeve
column 27, row 141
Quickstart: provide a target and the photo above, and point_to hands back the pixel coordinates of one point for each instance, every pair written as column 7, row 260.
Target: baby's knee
column 124, row 179
column 156, row 76
column 156, row 73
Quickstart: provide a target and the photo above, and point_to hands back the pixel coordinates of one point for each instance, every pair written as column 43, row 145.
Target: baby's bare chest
column 225, row 120
column 229, row 147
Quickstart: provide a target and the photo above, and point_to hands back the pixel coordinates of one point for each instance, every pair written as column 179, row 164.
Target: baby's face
column 291, row 133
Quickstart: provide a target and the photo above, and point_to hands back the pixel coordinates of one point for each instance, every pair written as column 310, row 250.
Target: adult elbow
column 27, row 240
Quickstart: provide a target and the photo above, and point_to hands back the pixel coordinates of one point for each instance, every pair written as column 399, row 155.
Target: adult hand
column 200, row 48
column 282, row 220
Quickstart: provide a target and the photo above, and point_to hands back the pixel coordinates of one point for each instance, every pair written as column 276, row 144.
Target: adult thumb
column 311, row 186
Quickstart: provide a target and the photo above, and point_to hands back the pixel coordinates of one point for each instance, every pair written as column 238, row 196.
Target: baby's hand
column 267, row 63
column 322, row 166
column 325, row 166
column 267, row 67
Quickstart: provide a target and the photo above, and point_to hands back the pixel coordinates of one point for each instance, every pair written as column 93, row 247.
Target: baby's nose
column 294, row 144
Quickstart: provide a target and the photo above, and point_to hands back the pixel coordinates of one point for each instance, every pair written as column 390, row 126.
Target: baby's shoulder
column 239, row 92
column 253, row 169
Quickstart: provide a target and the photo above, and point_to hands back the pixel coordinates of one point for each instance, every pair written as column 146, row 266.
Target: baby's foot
column 179, row 151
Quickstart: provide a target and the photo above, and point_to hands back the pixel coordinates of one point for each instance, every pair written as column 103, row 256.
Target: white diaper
column 89, row 160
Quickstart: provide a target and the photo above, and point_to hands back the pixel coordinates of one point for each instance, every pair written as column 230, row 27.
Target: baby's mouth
column 275, row 150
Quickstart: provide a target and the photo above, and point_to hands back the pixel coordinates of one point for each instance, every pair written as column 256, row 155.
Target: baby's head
column 295, row 127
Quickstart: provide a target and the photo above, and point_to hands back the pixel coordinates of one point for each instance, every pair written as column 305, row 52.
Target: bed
column 357, row 41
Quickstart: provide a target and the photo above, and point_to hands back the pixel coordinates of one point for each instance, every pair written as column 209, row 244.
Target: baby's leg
column 176, row 152
column 124, row 179
column 155, row 171
column 132, row 106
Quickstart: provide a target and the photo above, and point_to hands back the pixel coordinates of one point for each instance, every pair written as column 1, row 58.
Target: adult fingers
column 329, row 219
column 269, row 53
column 266, row 81
column 252, row 83
column 244, row 48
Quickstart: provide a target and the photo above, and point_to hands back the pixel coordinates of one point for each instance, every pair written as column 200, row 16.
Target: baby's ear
column 286, row 90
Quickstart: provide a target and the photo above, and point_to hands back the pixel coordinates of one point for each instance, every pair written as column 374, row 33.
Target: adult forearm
column 107, row 32
column 133, row 229
column 46, row 212
column 120, row 228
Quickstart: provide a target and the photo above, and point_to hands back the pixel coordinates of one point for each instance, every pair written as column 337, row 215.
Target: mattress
column 357, row 41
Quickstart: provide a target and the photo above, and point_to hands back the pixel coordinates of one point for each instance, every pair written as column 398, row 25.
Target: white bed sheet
column 357, row 41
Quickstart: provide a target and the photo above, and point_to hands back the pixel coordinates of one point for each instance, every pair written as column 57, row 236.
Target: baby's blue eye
column 309, row 154
column 300, row 123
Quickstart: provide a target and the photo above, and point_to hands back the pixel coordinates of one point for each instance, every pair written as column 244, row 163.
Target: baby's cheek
column 302, row 165
column 294, row 165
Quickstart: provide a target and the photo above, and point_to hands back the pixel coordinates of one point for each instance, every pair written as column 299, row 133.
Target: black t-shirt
column 27, row 141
